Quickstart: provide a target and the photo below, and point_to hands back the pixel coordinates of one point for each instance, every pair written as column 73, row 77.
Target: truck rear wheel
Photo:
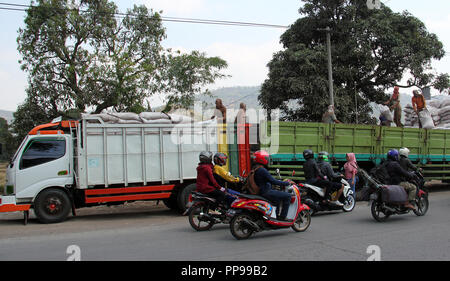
column 184, row 196
column 52, row 206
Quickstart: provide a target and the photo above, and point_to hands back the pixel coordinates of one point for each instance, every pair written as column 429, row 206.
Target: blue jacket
column 265, row 180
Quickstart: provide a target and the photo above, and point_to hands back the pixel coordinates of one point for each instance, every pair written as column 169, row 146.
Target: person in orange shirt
column 395, row 105
column 418, row 103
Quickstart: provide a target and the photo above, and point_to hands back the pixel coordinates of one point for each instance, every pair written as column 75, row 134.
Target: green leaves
column 372, row 50
column 85, row 55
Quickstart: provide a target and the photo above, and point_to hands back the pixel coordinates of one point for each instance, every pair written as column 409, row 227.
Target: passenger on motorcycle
column 264, row 181
column 206, row 183
column 223, row 177
column 314, row 176
column 325, row 166
column 220, row 174
column 405, row 162
column 400, row 176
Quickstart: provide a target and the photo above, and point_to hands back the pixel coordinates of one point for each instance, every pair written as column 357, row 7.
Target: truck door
column 44, row 162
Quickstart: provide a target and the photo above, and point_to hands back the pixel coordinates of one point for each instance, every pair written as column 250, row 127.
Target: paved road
column 143, row 231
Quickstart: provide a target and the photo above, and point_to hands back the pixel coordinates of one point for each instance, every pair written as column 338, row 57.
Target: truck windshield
column 19, row 149
column 40, row 151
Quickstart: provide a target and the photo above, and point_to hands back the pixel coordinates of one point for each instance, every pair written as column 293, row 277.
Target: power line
column 21, row 7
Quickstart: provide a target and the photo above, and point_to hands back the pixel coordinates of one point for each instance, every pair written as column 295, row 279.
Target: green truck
column 429, row 148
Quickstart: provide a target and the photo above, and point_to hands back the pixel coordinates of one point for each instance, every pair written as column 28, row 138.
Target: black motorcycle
column 387, row 200
column 204, row 212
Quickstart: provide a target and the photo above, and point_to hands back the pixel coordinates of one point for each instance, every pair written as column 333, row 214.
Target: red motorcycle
column 252, row 213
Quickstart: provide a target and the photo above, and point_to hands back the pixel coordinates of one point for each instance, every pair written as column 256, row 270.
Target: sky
column 247, row 50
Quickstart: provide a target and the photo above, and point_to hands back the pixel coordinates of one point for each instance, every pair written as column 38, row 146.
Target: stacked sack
column 141, row 118
column 437, row 115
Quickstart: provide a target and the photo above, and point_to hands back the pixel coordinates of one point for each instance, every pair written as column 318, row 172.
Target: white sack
column 426, row 120
column 153, row 115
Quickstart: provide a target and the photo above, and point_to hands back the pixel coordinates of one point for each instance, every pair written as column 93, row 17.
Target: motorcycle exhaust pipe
column 254, row 226
column 312, row 204
column 205, row 217
column 390, row 209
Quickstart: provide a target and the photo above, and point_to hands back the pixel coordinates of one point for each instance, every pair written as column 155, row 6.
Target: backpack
column 380, row 173
column 250, row 185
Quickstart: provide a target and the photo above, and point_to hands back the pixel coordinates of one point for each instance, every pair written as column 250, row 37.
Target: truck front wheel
column 52, row 205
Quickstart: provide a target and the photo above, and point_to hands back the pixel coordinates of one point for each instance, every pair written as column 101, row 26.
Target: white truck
column 65, row 165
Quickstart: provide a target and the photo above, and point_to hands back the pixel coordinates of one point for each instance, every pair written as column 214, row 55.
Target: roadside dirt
column 134, row 214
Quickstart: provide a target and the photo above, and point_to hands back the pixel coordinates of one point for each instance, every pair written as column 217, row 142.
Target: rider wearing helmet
column 314, row 176
column 206, row 183
column 325, row 167
column 404, row 160
column 399, row 176
column 220, row 174
column 264, row 181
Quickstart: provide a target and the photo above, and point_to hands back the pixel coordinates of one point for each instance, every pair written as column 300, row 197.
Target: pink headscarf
column 351, row 167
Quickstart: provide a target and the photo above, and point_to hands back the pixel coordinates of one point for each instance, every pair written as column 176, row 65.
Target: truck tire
column 52, row 206
column 184, row 196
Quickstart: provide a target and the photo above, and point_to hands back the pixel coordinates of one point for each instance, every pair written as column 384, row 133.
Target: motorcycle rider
column 206, row 183
column 400, row 176
column 405, row 162
column 314, row 176
column 325, row 167
column 264, row 181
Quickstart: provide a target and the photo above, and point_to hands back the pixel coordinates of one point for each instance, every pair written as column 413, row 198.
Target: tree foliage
column 86, row 56
column 372, row 50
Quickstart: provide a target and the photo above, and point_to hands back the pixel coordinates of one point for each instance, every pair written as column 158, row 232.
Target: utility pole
column 330, row 70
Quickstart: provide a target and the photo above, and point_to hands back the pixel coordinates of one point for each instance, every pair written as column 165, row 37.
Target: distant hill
column 233, row 96
column 8, row 115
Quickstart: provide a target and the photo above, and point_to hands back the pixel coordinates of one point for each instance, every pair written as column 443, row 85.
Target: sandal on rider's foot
column 410, row 206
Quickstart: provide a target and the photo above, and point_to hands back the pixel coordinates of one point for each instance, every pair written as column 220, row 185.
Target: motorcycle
column 314, row 197
column 204, row 211
column 253, row 213
column 382, row 207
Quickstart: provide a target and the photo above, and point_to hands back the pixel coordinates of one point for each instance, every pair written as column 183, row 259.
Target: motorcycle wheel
column 302, row 222
column 239, row 229
column 194, row 217
column 349, row 204
column 422, row 206
column 377, row 212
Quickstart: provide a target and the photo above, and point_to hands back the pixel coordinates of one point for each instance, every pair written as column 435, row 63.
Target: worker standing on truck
column 329, row 116
column 220, row 113
column 394, row 102
column 418, row 104
column 206, row 183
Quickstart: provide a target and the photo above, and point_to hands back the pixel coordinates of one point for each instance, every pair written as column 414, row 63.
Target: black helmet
column 220, row 159
column 205, row 157
column 308, row 154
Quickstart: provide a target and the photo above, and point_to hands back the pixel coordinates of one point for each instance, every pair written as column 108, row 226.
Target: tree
column 372, row 50
column 6, row 141
column 83, row 55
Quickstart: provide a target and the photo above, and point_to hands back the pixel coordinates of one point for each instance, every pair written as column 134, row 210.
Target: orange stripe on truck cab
column 14, row 208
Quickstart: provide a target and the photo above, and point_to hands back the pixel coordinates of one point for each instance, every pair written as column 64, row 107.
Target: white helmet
column 403, row 151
